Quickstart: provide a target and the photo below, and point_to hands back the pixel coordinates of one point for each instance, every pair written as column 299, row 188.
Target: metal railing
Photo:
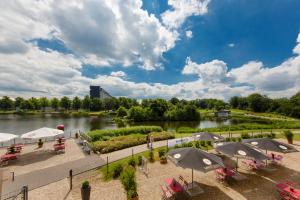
column 21, row 194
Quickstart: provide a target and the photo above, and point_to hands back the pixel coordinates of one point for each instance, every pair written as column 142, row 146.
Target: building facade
column 98, row 92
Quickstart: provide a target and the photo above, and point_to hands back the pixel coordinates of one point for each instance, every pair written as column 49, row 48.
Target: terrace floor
column 258, row 185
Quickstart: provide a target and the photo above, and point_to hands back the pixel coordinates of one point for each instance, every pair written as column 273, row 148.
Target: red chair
column 167, row 194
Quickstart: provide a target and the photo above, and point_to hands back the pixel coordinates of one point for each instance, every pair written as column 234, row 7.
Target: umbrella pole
column 266, row 160
column 237, row 163
column 192, row 178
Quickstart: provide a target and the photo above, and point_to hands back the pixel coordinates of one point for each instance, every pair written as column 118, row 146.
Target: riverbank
column 80, row 113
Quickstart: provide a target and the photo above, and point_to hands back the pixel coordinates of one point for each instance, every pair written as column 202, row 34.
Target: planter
column 163, row 161
column 290, row 140
column 135, row 198
column 85, row 193
column 40, row 145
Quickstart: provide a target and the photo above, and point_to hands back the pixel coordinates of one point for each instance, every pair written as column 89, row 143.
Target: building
column 222, row 113
column 98, row 92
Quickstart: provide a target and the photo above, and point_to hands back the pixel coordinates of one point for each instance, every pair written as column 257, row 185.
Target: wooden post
column 132, row 152
column 107, row 165
column 71, row 178
column 167, row 145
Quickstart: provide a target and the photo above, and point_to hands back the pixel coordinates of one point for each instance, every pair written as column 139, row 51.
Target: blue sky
column 142, row 49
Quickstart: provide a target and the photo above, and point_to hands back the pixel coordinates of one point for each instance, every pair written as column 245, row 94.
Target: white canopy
column 42, row 133
column 4, row 137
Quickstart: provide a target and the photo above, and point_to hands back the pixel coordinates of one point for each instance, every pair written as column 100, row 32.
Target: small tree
column 76, row 103
column 55, row 103
column 121, row 112
column 65, row 103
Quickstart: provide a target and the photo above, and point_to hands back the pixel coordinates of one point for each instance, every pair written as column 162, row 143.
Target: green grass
column 296, row 136
column 108, row 174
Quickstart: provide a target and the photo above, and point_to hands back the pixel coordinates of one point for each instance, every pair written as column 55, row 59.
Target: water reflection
column 18, row 124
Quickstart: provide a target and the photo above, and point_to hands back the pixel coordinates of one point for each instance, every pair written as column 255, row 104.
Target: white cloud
column 189, row 34
column 231, row 45
column 118, row 74
column 182, row 9
column 213, row 71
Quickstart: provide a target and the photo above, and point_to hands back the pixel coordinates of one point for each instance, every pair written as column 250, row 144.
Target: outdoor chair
column 167, row 194
column 184, row 183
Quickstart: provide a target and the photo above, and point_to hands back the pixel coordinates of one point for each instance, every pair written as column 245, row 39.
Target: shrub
column 288, row 134
column 117, row 170
column 227, row 139
column 161, row 152
column 197, row 144
column 121, row 142
column 208, row 143
column 132, row 162
column 99, row 134
column 245, row 136
column 128, row 181
column 187, row 130
column 157, row 136
column 239, row 139
column 202, row 143
column 233, row 139
column 140, row 160
column 85, row 185
column 121, row 112
column 151, row 156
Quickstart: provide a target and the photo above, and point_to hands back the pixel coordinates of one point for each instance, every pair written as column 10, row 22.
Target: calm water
column 17, row 124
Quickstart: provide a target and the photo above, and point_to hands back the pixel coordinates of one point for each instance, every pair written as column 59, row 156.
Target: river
column 19, row 124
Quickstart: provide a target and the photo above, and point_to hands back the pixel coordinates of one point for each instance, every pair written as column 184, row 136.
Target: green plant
column 85, row 185
column 197, row 144
column 288, row 134
column 245, row 136
column 208, row 143
column 128, row 181
column 132, row 162
column 239, row 139
column 202, row 143
column 233, row 139
column 227, row 139
column 40, row 142
column 161, row 152
column 140, row 160
column 117, row 170
column 151, row 156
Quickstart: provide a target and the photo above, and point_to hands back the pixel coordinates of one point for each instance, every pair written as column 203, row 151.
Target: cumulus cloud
column 118, row 74
column 189, row 34
column 182, row 9
column 231, row 45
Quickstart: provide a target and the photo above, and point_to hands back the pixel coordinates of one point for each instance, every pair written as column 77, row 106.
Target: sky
column 150, row 49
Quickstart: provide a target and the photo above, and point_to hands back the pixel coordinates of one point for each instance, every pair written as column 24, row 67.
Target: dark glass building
column 95, row 91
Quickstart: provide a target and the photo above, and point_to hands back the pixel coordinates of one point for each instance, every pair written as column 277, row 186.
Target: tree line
column 261, row 103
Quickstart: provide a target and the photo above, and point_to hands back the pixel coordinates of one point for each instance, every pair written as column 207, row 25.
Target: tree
column 258, row 103
column 35, row 102
column 65, row 103
column 86, row 102
column 76, row 103
column 26, row 105
column 6, row 103
column 96, row 104
column 121, row 112
column 18, row 102
column 174, row 101
column 44, row 102
column 54, row 103
column 234, row 102
column 137, row 113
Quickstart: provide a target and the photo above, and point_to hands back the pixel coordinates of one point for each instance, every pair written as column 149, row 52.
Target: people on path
column 148, row 140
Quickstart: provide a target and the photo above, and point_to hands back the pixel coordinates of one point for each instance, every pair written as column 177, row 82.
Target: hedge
column 122, row 142
column 100, row 134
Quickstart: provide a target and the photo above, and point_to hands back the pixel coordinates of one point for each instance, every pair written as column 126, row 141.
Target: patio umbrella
column 240, row 150
column 206, row 136
column 4, row 137
column 193, row 158
column 42, row 133
column 269, row 144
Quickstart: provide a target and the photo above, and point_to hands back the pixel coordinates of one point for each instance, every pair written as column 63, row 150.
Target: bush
column 187, row 130
column 121, row 142
column 227, row 139
column 197, row 144
column 245, row 136
column 202, row 143
column 151, row 156
column 117, row 170
column 121, row 112
column 161, row 152
column 132, row 162
column 233, row 139
column 140, row 160
column 288, row 134
column 208, row 143
column 99, row 134
column 85, row 185
column 239, row 139
column 128, row 181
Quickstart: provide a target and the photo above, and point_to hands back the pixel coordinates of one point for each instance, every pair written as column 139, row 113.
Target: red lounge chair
column 59, row 147
column 287, row 191
column 167, row 194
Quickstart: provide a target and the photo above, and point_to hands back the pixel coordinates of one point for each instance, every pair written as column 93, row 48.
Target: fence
column 21, row 194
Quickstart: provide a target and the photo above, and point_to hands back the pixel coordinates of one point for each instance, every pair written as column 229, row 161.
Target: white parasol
column 42, row 133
